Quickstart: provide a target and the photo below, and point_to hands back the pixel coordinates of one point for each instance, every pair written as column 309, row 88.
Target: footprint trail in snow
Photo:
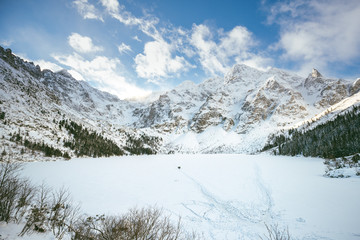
column 233, row 216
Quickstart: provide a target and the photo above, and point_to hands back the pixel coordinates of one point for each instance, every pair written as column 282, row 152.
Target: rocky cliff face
column 235, row 113
column 326, row 92
column 248, row 102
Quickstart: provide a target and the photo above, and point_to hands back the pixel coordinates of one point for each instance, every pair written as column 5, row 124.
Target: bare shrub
column 150, row 224
column 15, row 192
column 53, row 212
column 85, row 228
column 276, row 233
column 37, row 217
column 137, row 224
column 100, row 227
column 62, row 214
column 25, row 197
column 113, row 228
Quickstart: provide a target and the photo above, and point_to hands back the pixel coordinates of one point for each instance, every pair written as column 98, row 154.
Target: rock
column 355, row 87
column 315, row 73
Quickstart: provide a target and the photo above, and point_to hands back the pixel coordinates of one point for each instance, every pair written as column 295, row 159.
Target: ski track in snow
column 231, row 215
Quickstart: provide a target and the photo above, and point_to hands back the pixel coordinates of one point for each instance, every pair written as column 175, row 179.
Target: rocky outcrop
column 315, row 73
column 18, row 63
column 272, row 101
column 326, row 91
column 355, row 87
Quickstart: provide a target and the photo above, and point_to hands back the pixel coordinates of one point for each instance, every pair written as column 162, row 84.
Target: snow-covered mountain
column 34, row 101
column 235, row 113
column 342, row 107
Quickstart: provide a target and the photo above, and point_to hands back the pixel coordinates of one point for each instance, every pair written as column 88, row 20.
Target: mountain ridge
column 217, row 115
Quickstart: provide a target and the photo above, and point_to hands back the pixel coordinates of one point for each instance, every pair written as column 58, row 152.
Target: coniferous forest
column 137, row 146
column 336, row 138
column 85, row 142
column 49, row 151
column 88, row 143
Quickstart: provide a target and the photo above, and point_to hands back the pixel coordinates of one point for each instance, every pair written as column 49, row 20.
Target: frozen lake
column 219, row 196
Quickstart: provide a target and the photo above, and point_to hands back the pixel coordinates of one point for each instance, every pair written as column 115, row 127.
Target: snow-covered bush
column 15, row 193
column 145, row 223
column 342, row 167
column 50, row 212
column 37, row 216
column 150, row 224
column 62, row 213
column 356, row 158
column 98, row 227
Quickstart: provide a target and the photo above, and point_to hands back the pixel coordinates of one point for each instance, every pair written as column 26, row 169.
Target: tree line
column 88, row 143
column 85, row 142
column 139, row 146
column 49, row 151
column 336, row 138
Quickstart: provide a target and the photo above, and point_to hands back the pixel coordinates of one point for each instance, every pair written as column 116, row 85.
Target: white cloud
column 124, row 48
column 136, row 38
column 103, row 71
column 87, row 10
column 207, row 49
column 6, row 43
column 82, row 44
column 111, row 5
column 171, row 49
column 328, row 33
column 292, row 8
column 48, row 65
column 145, row 24
column 157, row 61
column 237, row 41
column 217, row 53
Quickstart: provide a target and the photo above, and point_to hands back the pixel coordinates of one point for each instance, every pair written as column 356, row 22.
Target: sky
column 131, row 48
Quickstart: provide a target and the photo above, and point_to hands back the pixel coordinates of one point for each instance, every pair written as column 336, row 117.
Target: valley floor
column 218, row 196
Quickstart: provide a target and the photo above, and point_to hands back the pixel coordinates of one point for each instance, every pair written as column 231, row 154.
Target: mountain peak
column 241, row 67
column 187, row 84
column 242, row 72
column 315, row 73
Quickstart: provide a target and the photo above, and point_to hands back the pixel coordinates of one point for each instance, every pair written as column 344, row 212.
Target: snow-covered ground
column 219, row 196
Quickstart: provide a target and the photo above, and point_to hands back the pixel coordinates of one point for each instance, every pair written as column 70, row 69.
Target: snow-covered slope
column 235, row 113
column 331, row 112
column 34, row 101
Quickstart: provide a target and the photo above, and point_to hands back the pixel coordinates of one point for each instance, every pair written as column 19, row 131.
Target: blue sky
column 133, row 47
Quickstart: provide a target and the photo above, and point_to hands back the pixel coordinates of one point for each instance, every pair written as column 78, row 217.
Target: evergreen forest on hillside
column 88, row 143
column 138, row 146
column 49, row 151
column 336, row 138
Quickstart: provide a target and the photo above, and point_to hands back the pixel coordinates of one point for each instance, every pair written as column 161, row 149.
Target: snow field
column 219, row 196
